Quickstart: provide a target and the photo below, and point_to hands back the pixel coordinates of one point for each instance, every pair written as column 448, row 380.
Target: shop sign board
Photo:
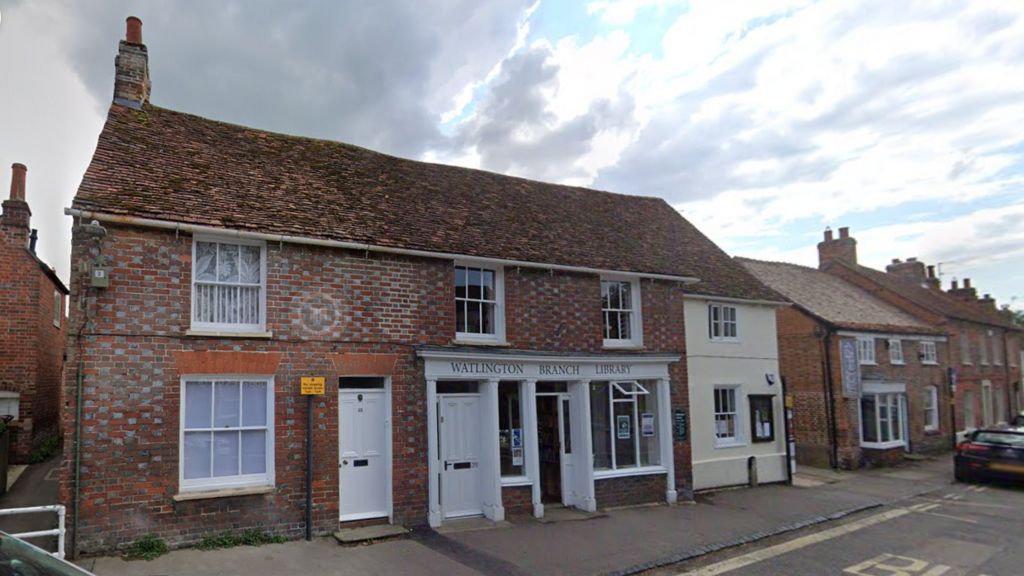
column 679, row 424
column 850, row 367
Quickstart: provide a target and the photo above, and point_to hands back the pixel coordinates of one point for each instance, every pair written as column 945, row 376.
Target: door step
column 369, row 534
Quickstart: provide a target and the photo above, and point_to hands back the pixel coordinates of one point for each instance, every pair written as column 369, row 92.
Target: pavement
column 36, row 485
column 623, row 541
column 959, row 530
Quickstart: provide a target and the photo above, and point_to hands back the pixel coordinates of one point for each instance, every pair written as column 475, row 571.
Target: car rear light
column 972, row 447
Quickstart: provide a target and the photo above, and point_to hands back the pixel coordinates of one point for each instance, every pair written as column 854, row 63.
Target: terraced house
column 490, row 345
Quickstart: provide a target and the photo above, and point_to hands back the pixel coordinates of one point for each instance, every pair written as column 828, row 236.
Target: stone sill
column 491, row 343
column 224, row 493
column 208, row 334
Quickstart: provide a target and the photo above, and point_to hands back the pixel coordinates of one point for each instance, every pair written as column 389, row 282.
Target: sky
column 762, row 121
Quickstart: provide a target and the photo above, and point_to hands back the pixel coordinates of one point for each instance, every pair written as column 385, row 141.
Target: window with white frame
column 722, row 323
column 227, row 438
column 881, row 420
column 623, row 420
column 866, row 350
column 727, row 422
column 9, row 404
column 620, row 304
column 927, row 353
column 895, row 351
column 931, row 408
column 965, row 348
column 997, row 349
column 982, row 349
column 58, row 307
column 228, row 286
column 478, row 311
column 970, row 410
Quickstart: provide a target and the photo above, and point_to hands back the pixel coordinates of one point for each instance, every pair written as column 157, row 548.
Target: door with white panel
column 459, row 428
column 362, row 457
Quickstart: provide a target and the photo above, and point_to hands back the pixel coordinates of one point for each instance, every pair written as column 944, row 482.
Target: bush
column 45, row 450
column 251, row 537
column 149, row 547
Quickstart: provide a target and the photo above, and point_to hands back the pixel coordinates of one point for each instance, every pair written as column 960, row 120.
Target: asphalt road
column 970, row 530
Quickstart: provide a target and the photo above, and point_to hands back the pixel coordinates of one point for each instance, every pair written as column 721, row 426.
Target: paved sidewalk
column 36, row 486
column 618, row 542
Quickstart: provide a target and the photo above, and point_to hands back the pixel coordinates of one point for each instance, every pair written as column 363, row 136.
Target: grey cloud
column 516, row 103
column 376, row 74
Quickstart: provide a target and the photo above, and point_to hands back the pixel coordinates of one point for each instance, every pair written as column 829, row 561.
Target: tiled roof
column 165, row 165
column 931, row 299
column 833, row 299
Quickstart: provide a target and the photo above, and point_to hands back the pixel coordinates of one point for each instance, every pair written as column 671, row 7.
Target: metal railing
column 58, row 531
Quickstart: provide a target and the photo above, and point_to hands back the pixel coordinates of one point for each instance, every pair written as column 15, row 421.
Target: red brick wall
column 31, row 348
column 517, row 500
column 321, row 305
column 801, row 363
column 971, row 376
column 629, row 491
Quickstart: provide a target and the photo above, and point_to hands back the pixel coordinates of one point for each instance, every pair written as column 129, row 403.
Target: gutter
column 201, row 229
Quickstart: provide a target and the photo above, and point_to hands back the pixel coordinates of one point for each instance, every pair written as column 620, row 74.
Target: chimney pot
column 954, row 284
column 18, row 181
column 844, row 232
column 133, row 34
column 828, row 234
column 895, row 260
column 33, row 237
column 967, row 282
column 912, row 259
column 931, row 271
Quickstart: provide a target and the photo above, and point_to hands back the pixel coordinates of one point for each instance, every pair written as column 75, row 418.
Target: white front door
column 362, row 436
column 460, row 454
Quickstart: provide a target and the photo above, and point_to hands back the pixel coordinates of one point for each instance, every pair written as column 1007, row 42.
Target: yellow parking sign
column 312, row 385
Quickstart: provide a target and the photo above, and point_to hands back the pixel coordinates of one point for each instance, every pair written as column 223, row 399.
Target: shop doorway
column 554, row 444
column 459, row 428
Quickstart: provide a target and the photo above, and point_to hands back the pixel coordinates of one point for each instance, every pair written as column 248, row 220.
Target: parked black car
column 991, row 453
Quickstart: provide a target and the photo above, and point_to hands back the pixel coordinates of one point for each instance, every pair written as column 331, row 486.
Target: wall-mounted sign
column 622, row 431
column 312, row 385
column 559, row 369
column 647, row 424
column 679, row 424
column 850, row 368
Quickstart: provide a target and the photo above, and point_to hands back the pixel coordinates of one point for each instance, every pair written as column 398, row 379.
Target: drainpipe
column 830, row 400
column 78, row 457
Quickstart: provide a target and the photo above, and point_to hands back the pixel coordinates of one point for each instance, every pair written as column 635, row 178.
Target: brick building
column 868, row 380
column 491, row 345
column 32, row 328
column 984, row 345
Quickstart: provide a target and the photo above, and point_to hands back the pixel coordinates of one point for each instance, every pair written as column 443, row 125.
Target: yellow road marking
column 795, row 544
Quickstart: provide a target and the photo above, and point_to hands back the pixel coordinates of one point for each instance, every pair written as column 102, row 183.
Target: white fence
column 58, row 531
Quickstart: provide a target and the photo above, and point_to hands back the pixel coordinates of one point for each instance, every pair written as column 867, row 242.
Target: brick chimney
column 932, row 280
column 912, row 269
column 843, row 248
column 968, row 293
column 987, row 302
column 14, row 223
column 131, row 67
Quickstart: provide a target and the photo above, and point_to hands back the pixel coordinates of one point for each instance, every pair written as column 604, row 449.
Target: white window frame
column 264, row 480
column 720, row 323
column 889, row 398
column 928, row 352
column 983, row 349
column 931, row 408
column 987, row 404
column 965, row 349
column 58, row 308
column 12, row 398
column 866, row 351
column 228, row 327
column 498, row 337
column 997, row 349
column 738, row 439
column 631, row 389
column 635, row 318
column 896, row 352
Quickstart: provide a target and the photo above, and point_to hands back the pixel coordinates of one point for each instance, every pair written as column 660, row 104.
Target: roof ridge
column 778, row 263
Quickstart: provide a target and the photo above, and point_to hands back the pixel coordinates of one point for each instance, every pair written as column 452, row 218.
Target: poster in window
column 517, row 456
column 762, row 417
column 517, row 438
column 622, row 426
column 647, row 424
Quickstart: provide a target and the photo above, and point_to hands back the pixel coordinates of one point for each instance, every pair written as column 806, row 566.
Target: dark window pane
column 487, row 318
column 460, row 282
column 626, row 298
column 473, row 290
column 488, row 284
column 624, row 326
column 867, row 415
column 473, row 317
column 600, row 427
column 460, row 316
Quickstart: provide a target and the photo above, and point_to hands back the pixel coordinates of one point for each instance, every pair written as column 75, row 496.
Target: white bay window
column 882, row 419
column 227, row 433
column 228, row 286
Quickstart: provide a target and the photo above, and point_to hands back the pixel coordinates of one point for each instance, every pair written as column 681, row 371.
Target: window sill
column 725, row 340
column 868, row 364
column 897, row 363
column 923, row 363
column 214, row 334
column 735, row 444
column 471, row 342
column 624, row 472
column 222, row 493
column 622, row 346
column 508, row 481
column 932, row 431
column 883, row 445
